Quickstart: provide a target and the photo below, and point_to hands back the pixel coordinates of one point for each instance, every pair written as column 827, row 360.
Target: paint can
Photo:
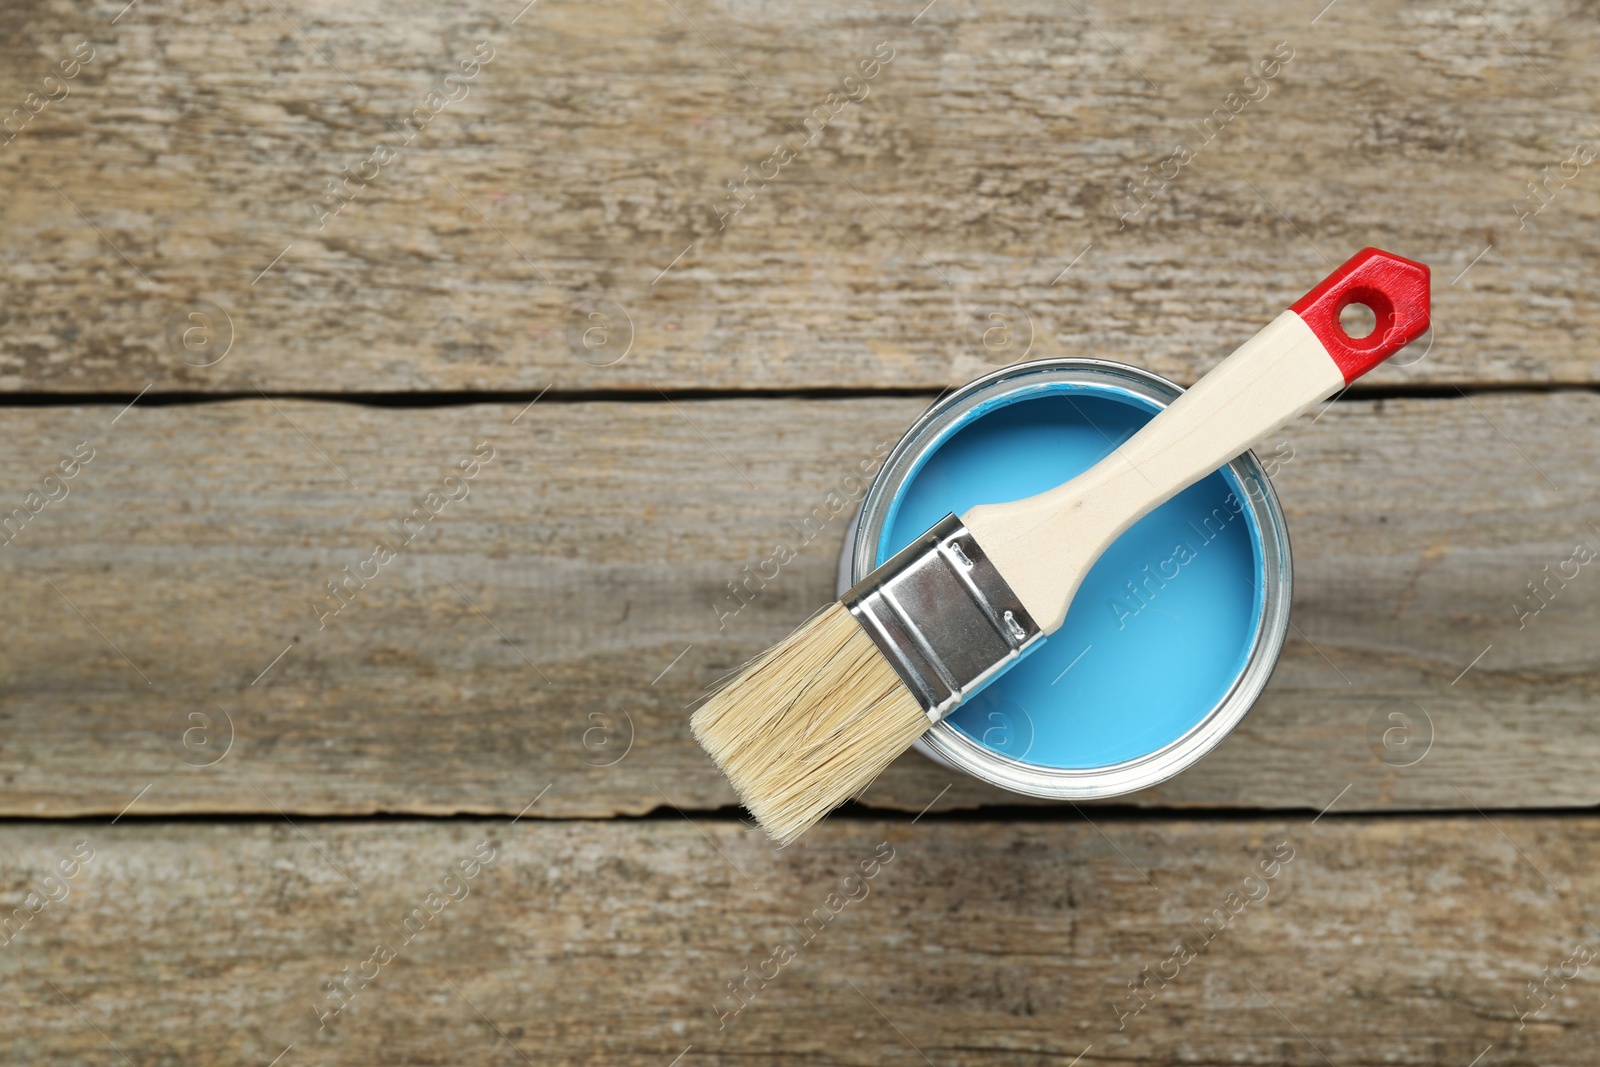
column 1174, row 632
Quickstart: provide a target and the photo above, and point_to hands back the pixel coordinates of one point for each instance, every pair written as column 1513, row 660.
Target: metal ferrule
column 943, row 617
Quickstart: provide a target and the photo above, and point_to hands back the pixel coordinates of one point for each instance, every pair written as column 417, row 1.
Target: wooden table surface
column 267, row 278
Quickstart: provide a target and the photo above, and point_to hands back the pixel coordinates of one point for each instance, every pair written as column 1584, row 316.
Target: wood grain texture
column 551, row 628
column 179, row 680
column 1376, row 942
column 592, row 154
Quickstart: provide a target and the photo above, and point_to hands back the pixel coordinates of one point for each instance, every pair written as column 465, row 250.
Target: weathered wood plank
column 566, row 607
column 592, row 153
column 1374, row 942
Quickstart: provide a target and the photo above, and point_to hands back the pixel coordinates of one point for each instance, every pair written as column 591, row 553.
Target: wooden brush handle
column 1044, row 545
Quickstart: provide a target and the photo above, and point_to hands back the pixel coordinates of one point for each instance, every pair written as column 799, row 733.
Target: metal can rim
column 949, row 746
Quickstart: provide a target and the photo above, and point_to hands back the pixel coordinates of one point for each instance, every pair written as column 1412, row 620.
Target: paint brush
column 811, row 722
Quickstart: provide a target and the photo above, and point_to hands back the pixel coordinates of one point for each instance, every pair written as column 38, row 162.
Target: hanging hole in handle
column 1368, row 307
column 1357, row 320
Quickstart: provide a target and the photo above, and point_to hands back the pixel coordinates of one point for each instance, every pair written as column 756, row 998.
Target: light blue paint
column 1156, row 668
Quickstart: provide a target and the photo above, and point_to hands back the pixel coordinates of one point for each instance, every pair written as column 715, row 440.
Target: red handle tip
column 1395, row 288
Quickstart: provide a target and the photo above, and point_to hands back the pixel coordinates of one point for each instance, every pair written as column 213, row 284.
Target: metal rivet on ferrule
column 1015, row 627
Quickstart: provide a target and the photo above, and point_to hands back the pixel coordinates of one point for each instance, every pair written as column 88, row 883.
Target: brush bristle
column 810, row 723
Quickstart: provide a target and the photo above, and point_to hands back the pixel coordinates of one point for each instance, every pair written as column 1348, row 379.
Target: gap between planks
column 466, row 398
